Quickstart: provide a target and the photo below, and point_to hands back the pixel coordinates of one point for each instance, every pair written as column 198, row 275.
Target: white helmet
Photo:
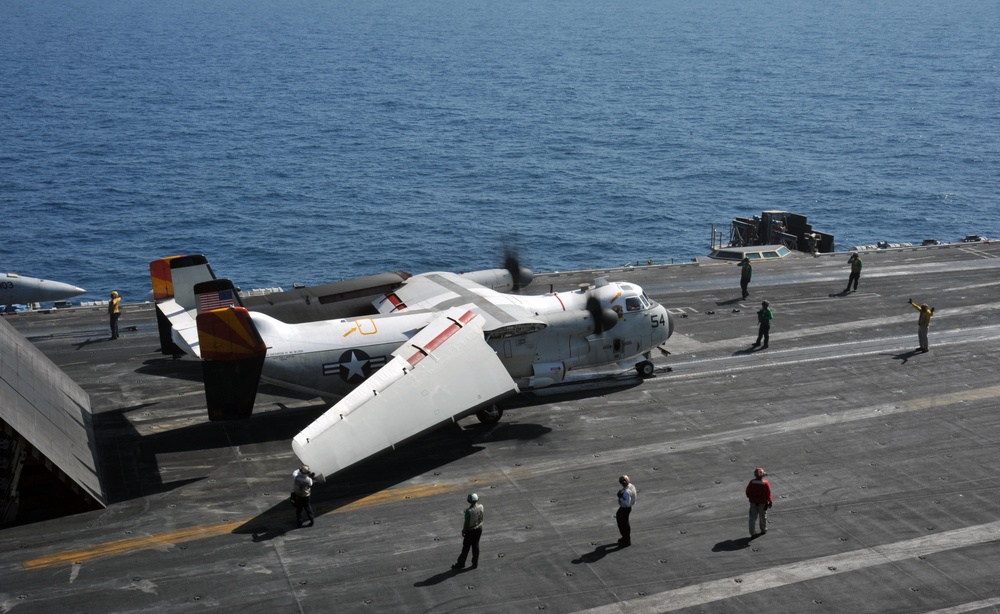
column 472, row 498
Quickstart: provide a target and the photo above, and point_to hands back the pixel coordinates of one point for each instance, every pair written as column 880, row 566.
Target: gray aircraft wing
column 442, row 291
column 443, row 373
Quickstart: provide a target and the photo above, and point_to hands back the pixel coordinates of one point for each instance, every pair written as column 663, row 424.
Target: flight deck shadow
column 553, row 394
column 387, row 469
column 731, row 545
column 735, row 301
column 89, row 341
column 597, row 554
column 905, row 356
column 134, row 454
column 438, row 578
column 173, row 368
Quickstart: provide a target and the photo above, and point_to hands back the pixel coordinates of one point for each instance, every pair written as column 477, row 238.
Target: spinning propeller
column 520, row 275
column 604, row 318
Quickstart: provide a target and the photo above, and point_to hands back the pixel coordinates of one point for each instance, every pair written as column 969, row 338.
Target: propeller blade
column 520, row 275
column 604, row 319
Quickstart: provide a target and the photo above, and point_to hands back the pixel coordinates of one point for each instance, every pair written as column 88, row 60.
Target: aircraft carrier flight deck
column 882, row 459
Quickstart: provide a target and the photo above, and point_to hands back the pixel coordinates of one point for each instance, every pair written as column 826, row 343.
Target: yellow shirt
column 925, row 315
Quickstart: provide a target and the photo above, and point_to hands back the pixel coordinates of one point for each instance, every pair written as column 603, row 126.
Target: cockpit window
column 633, row 304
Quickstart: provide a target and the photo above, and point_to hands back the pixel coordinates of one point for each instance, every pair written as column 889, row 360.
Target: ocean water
column 312, row 140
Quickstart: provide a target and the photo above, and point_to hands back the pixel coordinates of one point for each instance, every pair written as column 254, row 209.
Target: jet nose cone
column 57, row 290
column 67, row 288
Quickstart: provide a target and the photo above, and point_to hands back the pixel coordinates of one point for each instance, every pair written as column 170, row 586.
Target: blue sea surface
column 307, row 141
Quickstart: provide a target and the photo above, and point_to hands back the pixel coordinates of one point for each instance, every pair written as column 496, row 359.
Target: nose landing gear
column 644, row 368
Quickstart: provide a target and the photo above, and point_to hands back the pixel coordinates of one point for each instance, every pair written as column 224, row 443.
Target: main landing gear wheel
column 490, row 415
column 644, row 368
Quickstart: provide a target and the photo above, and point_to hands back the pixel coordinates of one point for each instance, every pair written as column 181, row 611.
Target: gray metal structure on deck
column 46, row 421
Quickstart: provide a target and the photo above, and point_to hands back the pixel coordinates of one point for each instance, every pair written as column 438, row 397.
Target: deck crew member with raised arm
column 114, row 312
column 923, row 324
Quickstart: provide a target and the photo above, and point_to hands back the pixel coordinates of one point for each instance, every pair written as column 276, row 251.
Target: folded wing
column 445, row 372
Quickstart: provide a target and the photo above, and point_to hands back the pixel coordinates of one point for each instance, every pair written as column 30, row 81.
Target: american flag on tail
column 215, row 299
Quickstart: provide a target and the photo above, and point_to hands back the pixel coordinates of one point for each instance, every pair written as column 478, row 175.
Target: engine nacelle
column 501, row 280
column 577, row 323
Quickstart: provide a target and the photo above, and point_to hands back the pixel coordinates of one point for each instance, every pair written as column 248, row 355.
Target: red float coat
column 759, row 491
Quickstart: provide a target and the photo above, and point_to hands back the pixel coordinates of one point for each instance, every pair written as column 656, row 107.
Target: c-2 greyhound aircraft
column 438, row 347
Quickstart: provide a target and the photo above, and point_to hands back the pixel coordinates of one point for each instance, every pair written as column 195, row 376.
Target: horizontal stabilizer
column 443, row 373
column 183, row 329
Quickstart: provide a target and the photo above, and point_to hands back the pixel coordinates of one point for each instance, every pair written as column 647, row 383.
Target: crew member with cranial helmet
column 764, row 317
column 114, row 312
column 759, row 494
column 923, row 324
column 472, row 530
column 302, row 482
column 626, row 499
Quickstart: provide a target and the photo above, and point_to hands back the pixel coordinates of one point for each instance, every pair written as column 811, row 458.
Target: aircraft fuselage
column 333, row 357
column 19, row 290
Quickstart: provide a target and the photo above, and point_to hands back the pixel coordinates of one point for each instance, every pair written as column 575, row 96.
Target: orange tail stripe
column 163, row 281
column 227, row 334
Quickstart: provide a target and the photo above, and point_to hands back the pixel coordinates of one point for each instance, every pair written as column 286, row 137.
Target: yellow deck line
column 180, row 536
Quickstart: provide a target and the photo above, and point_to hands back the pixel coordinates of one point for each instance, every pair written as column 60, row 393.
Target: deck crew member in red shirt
column 759, row 494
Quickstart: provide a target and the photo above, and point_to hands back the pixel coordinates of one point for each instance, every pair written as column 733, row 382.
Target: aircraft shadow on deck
column 387, row 469
column 133, row 454
column 554, row 395
column 174, row 368
column 137, row 472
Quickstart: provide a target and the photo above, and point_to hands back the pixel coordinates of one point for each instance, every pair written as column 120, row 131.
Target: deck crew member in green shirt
column 856, row 264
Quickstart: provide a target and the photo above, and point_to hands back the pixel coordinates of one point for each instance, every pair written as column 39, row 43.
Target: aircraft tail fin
column 173, row 281
column 233, row 359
